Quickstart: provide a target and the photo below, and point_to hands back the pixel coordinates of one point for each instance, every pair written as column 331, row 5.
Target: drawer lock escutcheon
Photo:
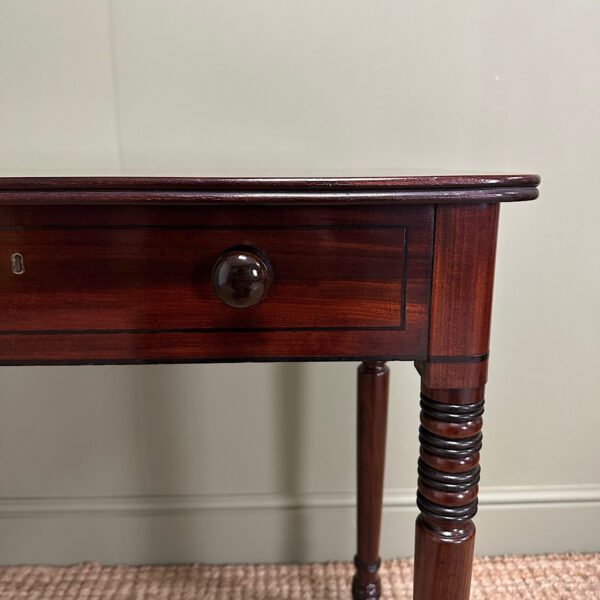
column 17, row 263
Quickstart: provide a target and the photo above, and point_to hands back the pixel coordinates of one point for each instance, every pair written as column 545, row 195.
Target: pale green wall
column 255, row 462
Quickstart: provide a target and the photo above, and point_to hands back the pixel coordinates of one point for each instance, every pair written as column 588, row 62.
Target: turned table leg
column 450, row 437
column 453, row 377
column 372, row 401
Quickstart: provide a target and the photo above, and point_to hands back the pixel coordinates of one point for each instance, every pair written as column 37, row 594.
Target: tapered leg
column 450, row 437
column 373, row 380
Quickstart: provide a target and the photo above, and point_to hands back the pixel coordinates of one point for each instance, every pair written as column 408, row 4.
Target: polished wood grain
column 452, row 392
column 148, row 279
column 463, row 275
column 341, row 287
column 372, row 404
column 266, row 198
column 267, row 190
column 461, row 296
column 450, row 437
column 317, row 183
column 221, row 216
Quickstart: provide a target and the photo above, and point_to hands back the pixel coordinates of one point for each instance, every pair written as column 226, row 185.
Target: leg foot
column 366, row 584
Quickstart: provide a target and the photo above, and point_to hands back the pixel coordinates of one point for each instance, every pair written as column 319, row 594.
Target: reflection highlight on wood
column 448, row 469
column 372, row 404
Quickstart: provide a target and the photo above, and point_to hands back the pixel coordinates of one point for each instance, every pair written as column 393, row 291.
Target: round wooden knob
column 241, row 277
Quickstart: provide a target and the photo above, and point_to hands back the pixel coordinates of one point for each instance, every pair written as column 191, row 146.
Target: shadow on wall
column 177, row 404
column 289, row 431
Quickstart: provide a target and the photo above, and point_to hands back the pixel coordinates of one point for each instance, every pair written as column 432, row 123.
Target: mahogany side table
column 373, row 269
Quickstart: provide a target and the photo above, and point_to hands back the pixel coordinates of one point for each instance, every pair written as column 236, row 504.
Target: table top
column 322, row 188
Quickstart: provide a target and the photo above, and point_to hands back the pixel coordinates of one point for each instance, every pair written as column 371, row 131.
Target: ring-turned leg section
column 450, row 437
column 373, row 381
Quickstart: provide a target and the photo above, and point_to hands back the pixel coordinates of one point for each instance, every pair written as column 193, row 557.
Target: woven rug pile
column 563, row 576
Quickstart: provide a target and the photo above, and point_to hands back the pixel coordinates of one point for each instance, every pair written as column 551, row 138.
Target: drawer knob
column 242, row 276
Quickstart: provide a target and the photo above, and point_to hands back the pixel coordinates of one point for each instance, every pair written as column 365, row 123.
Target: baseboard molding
column 399, row 498
column 272, row 528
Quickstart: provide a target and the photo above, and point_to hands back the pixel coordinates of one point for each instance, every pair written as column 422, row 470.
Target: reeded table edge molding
column 415, row 182
column 273, row 197
column 283, row 191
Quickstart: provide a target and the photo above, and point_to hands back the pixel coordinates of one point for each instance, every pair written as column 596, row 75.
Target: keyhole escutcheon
column 17, row 263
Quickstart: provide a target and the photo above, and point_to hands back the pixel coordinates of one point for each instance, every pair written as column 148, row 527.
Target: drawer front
column 131, row 284
column 139, row 279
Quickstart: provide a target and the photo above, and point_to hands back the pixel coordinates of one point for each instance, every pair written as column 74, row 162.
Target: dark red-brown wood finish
column 372, row 404
column 127, row 270
column 452, row 397
column 447, row 189
column 119, row 284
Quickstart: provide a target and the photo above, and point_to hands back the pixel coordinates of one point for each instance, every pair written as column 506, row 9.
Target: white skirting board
column 274, row 528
